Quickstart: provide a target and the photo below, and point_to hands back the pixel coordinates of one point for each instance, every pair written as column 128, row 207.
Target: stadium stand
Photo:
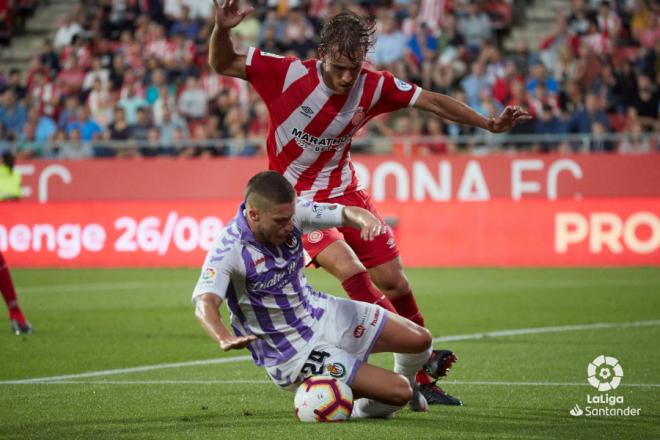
column 130, row 78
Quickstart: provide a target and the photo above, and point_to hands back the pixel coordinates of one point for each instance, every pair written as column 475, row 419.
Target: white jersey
column 264, row 286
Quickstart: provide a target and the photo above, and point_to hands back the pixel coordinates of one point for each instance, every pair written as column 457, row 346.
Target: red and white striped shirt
column 310, row 127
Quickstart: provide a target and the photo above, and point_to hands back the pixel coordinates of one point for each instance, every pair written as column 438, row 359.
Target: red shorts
column 371, row 253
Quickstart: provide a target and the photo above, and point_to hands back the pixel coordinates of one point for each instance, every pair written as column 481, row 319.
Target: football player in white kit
column 256, row 265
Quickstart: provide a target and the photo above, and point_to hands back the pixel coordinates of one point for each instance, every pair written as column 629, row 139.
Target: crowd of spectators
column 133, row 74
column 14, row 15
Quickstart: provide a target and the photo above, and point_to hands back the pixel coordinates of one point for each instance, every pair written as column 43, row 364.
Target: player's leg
column 18, row 322
column 328, row 250
column 377, row 383
column 400, row 335
column 384, row 389
column 381, row 257
column 360, row 329
column 379, row 393
column 411, row 345
column 391, row 279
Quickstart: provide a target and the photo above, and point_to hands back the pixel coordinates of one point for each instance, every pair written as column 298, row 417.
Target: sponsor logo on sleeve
column 318, row 209
column 209, row 275
column 402, row 85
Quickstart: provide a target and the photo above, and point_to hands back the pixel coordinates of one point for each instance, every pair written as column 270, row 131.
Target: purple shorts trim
column 379, row 330
column 351, row 378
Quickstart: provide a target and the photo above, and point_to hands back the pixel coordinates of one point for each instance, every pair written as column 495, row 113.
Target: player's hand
column 236, row 342
column 227, row 16
column 372, row 230
column 508, row 119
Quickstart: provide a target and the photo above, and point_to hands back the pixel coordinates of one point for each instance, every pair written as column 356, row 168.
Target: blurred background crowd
column 130, row 77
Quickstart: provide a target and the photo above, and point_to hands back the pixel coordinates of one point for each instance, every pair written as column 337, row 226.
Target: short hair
column 349, row 34
column 269, row 187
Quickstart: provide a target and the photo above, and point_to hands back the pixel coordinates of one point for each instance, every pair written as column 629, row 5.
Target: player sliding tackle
column 256, row 265
column 315, row 107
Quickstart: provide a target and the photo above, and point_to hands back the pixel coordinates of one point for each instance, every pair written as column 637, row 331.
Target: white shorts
column 346, row 338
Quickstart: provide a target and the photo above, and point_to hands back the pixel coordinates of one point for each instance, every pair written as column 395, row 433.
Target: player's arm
column 223, row 58
column 454, row 110
column 207, row 312
column 369, row 225
column 312, row 216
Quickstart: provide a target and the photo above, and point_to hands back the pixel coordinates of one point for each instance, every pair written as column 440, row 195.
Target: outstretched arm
column 207, row 312
column 370, row 227
column 223, row 58
column 447, row 107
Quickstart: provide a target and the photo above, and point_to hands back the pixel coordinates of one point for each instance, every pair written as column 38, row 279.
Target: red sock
column 360, row 288
column 8, row 292
column 407, row 307
column 422, row 378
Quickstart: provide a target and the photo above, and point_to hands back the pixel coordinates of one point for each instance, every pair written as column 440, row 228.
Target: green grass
column 92, row 320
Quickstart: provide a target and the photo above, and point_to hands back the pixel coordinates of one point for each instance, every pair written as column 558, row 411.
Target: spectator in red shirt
column 69, row 81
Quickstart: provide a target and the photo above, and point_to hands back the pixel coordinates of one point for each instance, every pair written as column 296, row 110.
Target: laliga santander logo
column 604, row 373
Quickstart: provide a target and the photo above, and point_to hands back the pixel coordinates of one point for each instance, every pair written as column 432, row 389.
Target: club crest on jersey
column 292, row 242
column 402, row 85
column 358, row 116
column 336, row 369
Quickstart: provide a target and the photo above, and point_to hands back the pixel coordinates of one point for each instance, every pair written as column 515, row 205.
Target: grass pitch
column 94, row 329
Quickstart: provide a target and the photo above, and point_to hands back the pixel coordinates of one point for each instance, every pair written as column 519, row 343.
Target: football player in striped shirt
column 315, row 106
column 256, row 265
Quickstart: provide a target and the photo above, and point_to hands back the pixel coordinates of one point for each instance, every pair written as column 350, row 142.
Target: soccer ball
column 323, row 399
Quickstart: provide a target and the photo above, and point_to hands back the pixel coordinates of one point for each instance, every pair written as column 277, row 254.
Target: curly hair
column 349, row 34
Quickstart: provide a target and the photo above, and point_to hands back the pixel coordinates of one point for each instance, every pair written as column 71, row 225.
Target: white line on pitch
column 263, row 382
column 95, row 287
column 129, row 370
column 530, row 331
column 472, row 336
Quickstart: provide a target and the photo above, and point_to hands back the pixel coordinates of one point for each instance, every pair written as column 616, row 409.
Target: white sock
column 369, row 408
column 407, row 364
